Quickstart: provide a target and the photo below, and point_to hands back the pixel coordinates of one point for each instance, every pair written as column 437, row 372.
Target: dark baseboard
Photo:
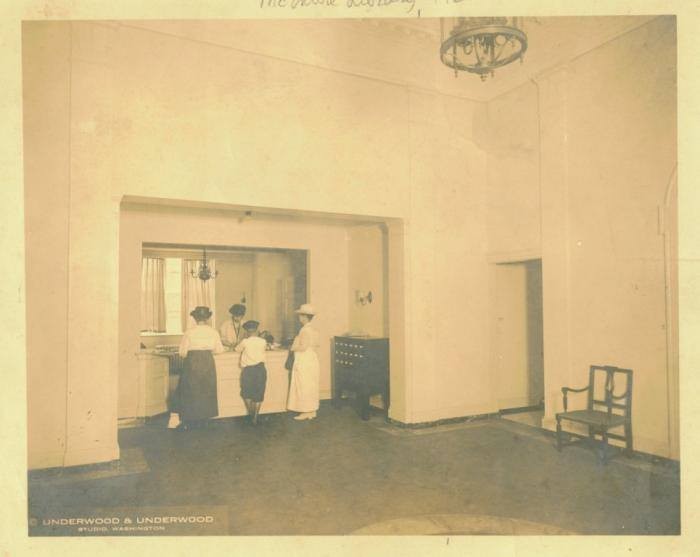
column 48, row 473
column 520, row 409
column 645, row 457
column 460, row 419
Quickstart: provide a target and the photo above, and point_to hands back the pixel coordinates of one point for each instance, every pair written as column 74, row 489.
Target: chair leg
column 629, row 447
column 558, row 434
column 604, row 447
column 591, row 433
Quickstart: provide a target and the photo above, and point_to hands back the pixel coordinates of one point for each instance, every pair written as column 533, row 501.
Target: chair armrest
column 575, row 390
column 565, row 392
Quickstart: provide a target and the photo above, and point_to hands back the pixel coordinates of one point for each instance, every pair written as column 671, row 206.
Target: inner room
column 464, row 272
column 277, row 263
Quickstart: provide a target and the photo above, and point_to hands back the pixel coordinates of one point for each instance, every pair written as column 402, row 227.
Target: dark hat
column 237, row 309
column 250, row 325
column 201, row 313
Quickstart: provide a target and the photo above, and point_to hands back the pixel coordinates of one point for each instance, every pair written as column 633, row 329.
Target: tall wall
column 46, row 206
column 160, row 117
column 445, row 265
column 509, row 131
column 608, row 149
column 368, row 273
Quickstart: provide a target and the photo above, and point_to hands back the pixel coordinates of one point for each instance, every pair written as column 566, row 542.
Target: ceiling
column 401, row 51
column 552, row 41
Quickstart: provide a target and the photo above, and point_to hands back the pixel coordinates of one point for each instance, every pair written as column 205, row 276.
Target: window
column 280, row 275
column 171, row 290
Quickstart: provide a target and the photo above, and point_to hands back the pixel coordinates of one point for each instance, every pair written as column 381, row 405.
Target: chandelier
column 204, row 272
column 482, row 44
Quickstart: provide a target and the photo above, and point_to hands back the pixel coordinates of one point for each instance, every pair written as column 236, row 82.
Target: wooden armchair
column 611, row 412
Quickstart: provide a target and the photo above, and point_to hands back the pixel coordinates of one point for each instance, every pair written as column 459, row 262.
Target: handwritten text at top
column 294, row 4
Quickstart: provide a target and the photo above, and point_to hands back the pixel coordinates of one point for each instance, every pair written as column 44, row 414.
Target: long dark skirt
column 195, row 396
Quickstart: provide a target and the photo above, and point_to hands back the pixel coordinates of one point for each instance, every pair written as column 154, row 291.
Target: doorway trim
column 515, row 256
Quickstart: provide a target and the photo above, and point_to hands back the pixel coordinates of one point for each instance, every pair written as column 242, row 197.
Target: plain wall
column 46, row 214
column 509, row 131
column 368, row 270
column 621, row 150
column 445, row 268
column 607, row 132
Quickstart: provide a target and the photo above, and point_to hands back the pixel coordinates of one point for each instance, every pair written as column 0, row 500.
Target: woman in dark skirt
column 195, row 398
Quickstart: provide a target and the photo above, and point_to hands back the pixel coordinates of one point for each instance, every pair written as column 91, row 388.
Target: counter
column 154, row 383
column 228, row 384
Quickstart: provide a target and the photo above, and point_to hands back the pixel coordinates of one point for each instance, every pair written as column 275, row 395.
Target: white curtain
column 196, row 292
column 153, row 295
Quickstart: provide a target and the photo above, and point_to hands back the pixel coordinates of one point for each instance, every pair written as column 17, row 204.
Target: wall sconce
column 363, row 298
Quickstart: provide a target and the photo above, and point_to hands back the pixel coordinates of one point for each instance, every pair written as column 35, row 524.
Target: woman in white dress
column 304, row 385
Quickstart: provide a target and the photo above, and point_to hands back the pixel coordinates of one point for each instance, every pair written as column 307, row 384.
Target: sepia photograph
column 367, row 276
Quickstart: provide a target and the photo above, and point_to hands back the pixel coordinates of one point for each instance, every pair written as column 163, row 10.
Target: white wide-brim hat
column 306, row 309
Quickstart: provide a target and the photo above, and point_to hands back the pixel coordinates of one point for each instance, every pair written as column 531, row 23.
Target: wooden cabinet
column 361, row 365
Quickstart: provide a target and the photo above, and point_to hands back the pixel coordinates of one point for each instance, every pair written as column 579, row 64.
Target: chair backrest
column 610, row 389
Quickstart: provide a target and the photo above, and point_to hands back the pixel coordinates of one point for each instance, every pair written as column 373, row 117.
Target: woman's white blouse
column 307, row 338
column 201, row 337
